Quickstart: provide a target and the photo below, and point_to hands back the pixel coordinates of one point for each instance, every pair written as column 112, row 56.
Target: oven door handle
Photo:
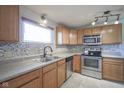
column 92, row 57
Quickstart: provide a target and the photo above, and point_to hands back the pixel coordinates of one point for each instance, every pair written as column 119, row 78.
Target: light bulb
column 105, row 23
column 45, row 21
column 116, row 22
column 93, row 23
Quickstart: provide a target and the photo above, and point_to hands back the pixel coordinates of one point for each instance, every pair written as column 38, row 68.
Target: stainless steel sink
column 46, row 59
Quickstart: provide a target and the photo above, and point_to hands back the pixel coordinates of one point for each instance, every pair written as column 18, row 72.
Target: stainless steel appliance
column 91, row 62
column 92, row 40
column 69, row 66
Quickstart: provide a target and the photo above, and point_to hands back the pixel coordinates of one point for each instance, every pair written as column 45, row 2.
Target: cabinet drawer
column 49, row 67
column 113, row 59
column 61, row 62
column 32, row 84
column 22, row 80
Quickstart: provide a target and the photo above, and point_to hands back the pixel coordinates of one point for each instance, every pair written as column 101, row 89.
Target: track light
column 94, row 22
column 117, row 21
column 105, row 23
column 106, row 15
column 44, row 19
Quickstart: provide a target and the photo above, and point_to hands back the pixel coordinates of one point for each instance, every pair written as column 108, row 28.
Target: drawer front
column 49, row 67
column 32, row 84
column 113, row 59
column 21, row 80
column 61, row 62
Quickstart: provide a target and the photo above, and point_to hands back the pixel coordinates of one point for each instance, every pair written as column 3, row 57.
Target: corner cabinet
column 77, row 63
column 9, row 23
column 62, row 35
column 112, row 34
column 113, row 69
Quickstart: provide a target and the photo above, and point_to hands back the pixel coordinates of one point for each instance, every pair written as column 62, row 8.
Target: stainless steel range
column 91, row 62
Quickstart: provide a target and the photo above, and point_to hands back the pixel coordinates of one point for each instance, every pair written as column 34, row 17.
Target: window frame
column 37, row 24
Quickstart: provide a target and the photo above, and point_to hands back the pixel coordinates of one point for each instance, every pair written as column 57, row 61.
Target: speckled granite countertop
column 10, row 69
column 113, row 56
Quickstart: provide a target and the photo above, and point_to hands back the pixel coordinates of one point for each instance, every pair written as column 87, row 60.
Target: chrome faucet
column 44, row 54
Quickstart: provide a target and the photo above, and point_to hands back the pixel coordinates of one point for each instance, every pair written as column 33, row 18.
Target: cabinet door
column 73, row 37
column 61, row 72
column 77, row 63
column 113, row 70
column 97, row 31
column 59, row 35
column 65, row 35
column 80, row 36
column 112, row 34
column 50, row 79
column 62, row 35
column 32, row 84
column 9, row 23
column 87, row 31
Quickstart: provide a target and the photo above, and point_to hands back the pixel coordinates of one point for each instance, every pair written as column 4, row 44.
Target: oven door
column 91, row 63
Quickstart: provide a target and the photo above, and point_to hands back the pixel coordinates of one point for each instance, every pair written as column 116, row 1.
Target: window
column 36, row 33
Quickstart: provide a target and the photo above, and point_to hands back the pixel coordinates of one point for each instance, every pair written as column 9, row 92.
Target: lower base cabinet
column 77, row 63
column 50, row 76
column 113, row 69
column 61, row 72
column 29, row 80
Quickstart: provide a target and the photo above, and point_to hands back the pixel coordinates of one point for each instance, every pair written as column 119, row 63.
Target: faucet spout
column 44, row 54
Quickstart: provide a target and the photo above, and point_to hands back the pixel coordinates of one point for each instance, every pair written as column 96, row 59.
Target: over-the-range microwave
column 92, row 40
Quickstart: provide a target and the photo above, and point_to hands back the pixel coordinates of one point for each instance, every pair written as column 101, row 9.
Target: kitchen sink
column 46, row 59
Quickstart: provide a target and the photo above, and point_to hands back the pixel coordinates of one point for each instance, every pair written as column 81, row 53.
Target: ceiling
column 75, row 15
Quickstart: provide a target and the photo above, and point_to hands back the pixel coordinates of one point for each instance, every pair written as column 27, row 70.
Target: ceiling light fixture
column 106, row 15
column 117, row 21
column 94, row 22
column 105, row 23
column 44, row 19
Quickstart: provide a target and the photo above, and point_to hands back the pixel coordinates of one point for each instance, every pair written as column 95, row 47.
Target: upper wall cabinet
column 62, row 35
column 97, row 30
column 9, row 23
column 88, row 31
column 112, row 34
column 73, row 37
column 80, row 36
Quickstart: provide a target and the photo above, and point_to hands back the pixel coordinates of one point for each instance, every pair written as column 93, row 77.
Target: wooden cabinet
column 50, row 76
column 113, row 69
column 73, row 37
column 31, row 80
column 87, row 31
column 112, row 34
column 77, row 63
column 9, row 23
column 62, row 35
column 61, row 72
column 32, row 84
column 80, row 36
column 97, row 30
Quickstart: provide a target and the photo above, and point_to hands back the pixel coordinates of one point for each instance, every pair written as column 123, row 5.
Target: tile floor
column 81, row 81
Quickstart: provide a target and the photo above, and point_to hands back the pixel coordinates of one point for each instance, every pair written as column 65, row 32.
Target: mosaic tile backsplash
column 116, row 49
column 12, row 50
